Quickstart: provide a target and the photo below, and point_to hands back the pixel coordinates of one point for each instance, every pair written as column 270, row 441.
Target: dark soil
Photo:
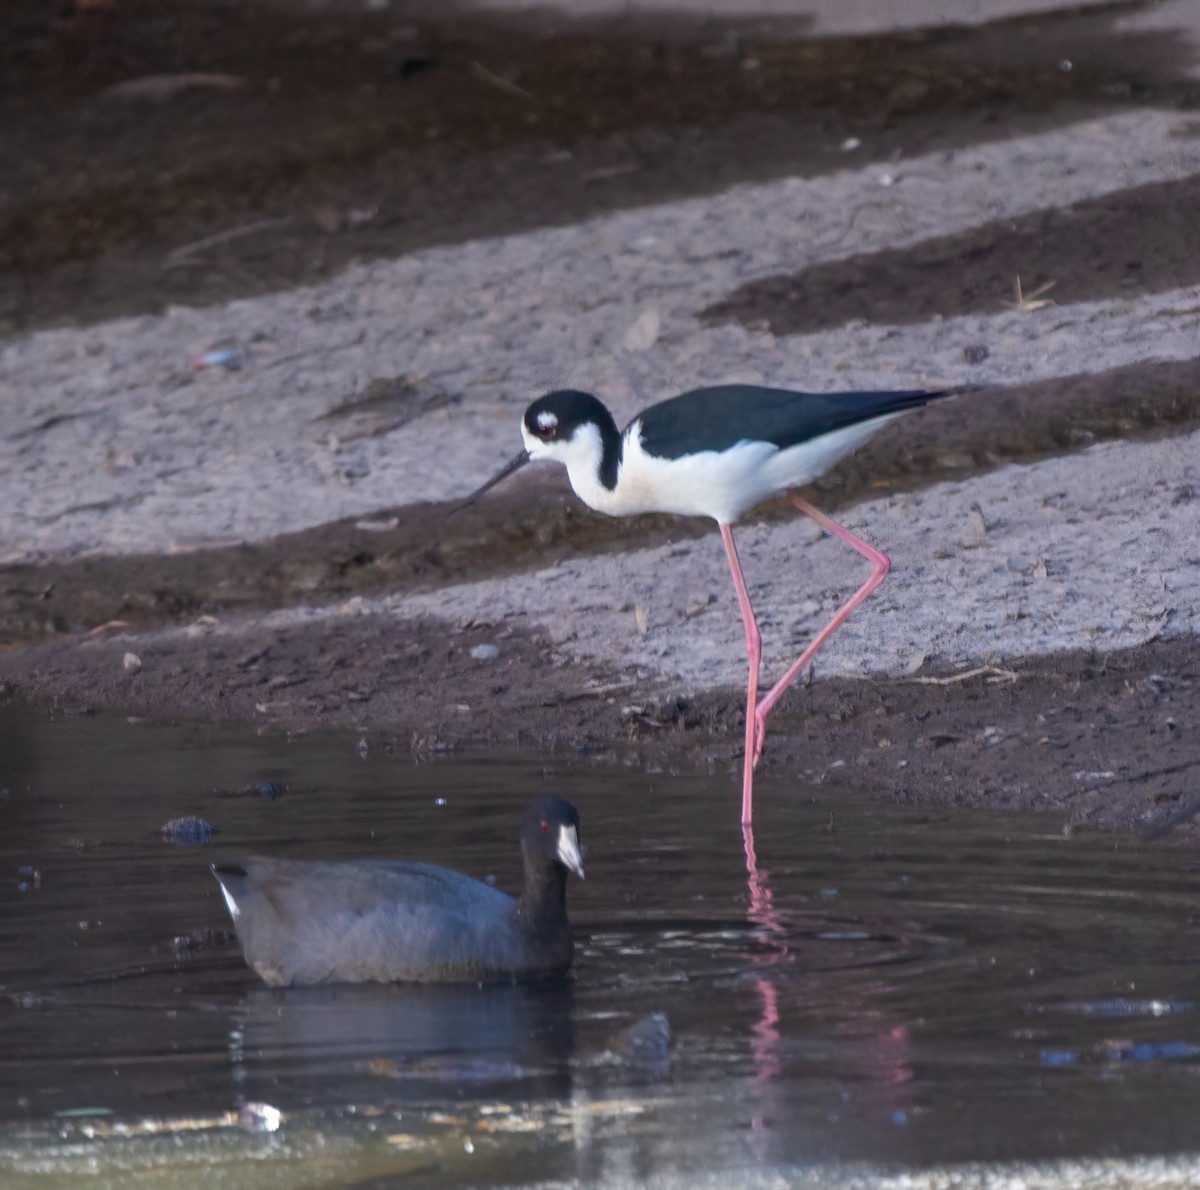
column 337, row 135
column 535, row 518
column 1106, row 740
column 1057, row 248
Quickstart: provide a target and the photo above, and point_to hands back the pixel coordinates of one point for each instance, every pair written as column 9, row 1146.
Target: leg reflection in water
column 877, row 1048
column 771, row 935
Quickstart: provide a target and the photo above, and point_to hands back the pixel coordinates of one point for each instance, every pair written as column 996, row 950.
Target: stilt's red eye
column 544, row 825
column 546, row 425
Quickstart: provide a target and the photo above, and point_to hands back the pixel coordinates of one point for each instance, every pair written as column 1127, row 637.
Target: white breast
column 720, row 484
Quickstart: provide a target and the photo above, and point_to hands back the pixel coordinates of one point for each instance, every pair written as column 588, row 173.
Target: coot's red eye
column 544, row 825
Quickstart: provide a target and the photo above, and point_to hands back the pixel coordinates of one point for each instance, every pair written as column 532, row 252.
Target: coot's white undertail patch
column 230, row 903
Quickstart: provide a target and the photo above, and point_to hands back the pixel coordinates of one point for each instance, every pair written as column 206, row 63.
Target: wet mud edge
column 1101, row 740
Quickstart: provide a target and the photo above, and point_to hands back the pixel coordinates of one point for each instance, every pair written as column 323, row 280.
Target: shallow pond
column 900, row 988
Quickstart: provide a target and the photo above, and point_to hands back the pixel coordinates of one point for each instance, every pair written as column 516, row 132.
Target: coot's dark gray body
column 304, row 922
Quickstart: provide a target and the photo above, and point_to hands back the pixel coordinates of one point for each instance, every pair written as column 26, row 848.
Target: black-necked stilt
column 717, row 452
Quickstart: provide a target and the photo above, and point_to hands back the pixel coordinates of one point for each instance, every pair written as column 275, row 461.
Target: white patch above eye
column 547, row 420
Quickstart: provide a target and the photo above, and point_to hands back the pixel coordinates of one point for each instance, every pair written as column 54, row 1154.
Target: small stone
column 132, row 663
column 643, row 334
column 485, row 652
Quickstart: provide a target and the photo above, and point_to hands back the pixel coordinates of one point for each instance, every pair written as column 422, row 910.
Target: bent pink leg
column 880, row 565
column 754, row 652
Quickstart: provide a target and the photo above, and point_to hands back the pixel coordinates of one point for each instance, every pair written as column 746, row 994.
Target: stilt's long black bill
column 508, row 468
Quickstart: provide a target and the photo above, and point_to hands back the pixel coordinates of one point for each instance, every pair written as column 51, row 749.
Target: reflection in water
column 405, row 1042
column 884, row 1059
column 772, row 938
column 911, row 986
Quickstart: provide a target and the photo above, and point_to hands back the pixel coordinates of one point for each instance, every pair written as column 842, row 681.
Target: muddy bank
column 181, row 540
column 536, row 518
column 1054, row 252
column 351, row 397
column 1107, row 739
column 309, row 140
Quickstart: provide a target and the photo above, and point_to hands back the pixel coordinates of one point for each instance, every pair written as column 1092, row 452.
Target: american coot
column 310, row 922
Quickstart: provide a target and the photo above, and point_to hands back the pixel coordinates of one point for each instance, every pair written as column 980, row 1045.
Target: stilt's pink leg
column 754, row 652
column 880, row 565
column 762, row 905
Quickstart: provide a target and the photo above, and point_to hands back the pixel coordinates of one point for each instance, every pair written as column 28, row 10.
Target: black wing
column 720, row 417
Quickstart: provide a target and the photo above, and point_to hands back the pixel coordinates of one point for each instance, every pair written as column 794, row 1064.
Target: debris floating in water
column 259, row 1117
column 1118, row 1007
column 188, row 831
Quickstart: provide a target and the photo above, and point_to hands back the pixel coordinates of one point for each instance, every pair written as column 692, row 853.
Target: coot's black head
column 554, row 418
column 550, row 838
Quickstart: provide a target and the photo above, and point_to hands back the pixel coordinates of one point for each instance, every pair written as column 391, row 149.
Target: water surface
column 901, row 988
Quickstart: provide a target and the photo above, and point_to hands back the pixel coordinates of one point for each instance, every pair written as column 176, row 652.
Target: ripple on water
column 979, row 989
